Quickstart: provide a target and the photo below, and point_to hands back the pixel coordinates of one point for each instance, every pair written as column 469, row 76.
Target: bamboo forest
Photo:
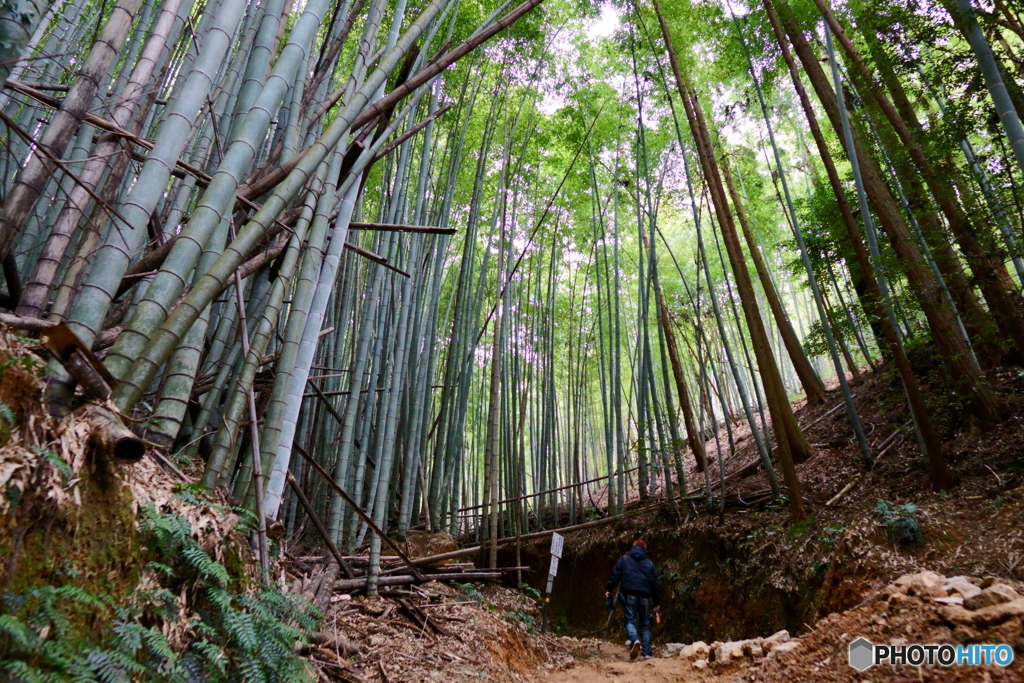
column 321, row 314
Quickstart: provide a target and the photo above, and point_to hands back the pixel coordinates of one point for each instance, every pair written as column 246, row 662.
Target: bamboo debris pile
column 316, row 576
column 433, row 632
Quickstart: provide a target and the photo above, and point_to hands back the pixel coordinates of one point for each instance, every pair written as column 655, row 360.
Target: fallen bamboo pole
column 822, row 417
column 426, row 229
column 885, row 446
column 359, row 511
column 405, row 579
column 544, row 493
column 455, row 554
column 110, row 437
column 320, row 527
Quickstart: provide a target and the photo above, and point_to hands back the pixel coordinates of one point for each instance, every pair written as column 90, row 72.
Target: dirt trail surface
column 827, row 581
column 657, row 670
column 489, row 634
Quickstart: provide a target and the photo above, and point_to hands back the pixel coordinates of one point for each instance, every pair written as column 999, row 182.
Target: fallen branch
column 321, row 529
column 819, row 419
column 359, row 511
column 406, row 579
column 885, row 445
column 23, row 322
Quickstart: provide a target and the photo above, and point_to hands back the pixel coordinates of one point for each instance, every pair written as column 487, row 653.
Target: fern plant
column 237, row 636
column 900, row 521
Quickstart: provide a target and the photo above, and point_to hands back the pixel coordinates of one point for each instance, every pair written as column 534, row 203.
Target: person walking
column 637, row 580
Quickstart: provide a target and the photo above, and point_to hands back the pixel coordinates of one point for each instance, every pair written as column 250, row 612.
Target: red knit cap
column 640, row 542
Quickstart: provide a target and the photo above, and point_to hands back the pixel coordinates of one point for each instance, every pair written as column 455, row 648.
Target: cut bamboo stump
column 110, row 438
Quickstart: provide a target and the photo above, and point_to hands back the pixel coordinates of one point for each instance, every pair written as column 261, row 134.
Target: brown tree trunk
column 976, row 319
column 810, row 382
column 693, row 437
column 953, row 348
column 880, row 315
column 982, row 255
column 791, row 442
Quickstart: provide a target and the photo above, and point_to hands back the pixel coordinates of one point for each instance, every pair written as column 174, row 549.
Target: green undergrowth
column 116, row 601
column 900, row 522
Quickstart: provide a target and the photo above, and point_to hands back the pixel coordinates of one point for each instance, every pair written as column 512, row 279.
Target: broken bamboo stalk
column 542, row 493
column 359, row 511
column 426, row 229
column 455, row 554
column 110, row 438
column 376, row 258
column 321, row 529
column 406, row 579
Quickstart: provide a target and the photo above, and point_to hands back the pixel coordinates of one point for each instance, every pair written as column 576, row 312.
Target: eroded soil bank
column 757, row 572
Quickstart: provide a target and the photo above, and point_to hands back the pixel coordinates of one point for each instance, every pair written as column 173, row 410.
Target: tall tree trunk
column 792, row 444
column 990, row 272
column 955, row 353
column 808, row 379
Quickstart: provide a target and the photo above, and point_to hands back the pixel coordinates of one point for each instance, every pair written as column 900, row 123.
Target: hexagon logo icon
column 862, row 654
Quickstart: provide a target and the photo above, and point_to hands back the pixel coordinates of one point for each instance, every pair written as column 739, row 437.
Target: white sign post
column 557, row 543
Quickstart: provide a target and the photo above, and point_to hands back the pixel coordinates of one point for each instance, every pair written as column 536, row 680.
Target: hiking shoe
column 634, row 651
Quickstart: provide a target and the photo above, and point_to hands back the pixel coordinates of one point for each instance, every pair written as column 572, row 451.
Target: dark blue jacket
column 634, row 574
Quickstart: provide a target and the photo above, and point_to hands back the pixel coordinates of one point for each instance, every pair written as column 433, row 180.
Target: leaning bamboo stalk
column 176, row 389
column 225, row 440
column 111, row 258
column 23, row 196
column 1009, row 117
column 163, row 340
column 307, row 346
column 215, row 204
column 262, row 185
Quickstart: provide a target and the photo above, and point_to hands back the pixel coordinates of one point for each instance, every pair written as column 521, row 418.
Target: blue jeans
column 637, row 612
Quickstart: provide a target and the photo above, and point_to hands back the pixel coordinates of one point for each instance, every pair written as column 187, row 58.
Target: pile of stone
column 970, row 603
column 700, row 654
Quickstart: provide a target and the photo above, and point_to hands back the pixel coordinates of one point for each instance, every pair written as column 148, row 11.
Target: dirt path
column 657, row 670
